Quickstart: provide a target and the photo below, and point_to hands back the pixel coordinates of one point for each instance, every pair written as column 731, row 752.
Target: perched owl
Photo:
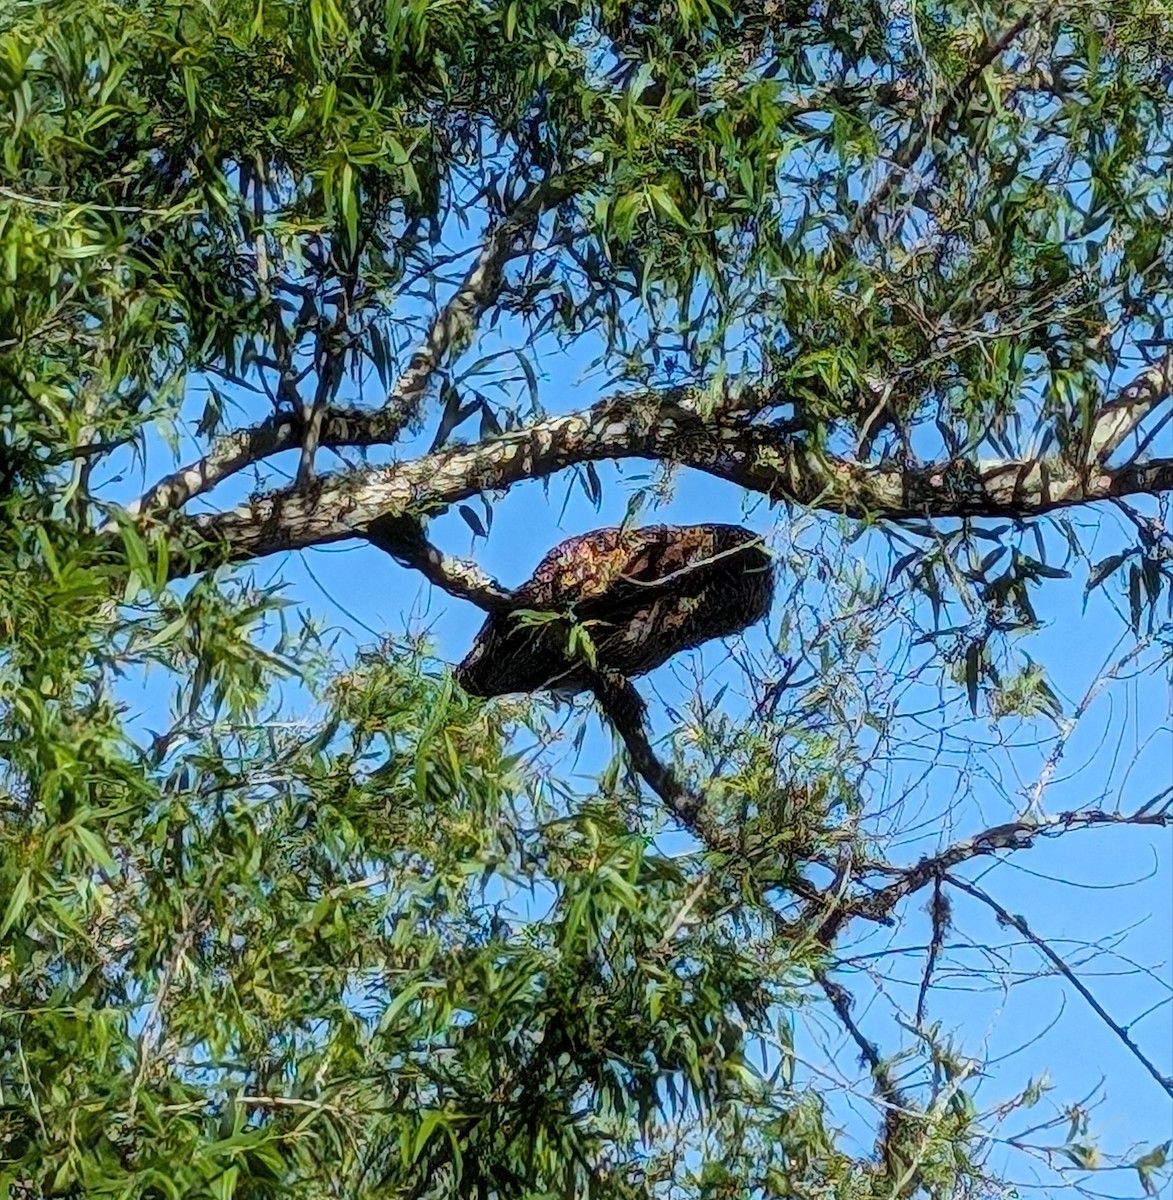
column 642, row 595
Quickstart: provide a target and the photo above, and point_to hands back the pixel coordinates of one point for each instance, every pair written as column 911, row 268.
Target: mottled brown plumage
column 643, row 595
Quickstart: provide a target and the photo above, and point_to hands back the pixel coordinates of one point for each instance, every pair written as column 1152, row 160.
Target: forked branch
column 447, row 335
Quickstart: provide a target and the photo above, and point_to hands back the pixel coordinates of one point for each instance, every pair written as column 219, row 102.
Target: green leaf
column 665, row 205
column 973, row 662
column 191, row 90
column 95, row 848
column 349, row 204
column 625, row 212
column 594, row 489
column 17, row 901
column 429, row 1123
column 1102, row 570
column 223, row 1187
column 472, row 520
column 1150, row 1163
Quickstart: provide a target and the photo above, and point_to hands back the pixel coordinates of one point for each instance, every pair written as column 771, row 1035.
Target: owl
column 620, row 601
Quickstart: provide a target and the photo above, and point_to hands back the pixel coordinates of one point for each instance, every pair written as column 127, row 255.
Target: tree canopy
column 283, row 910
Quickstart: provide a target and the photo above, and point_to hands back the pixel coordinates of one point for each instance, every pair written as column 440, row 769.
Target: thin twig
column 186, row 207
column 911, row 148
column 939, row 912
column 1015, row 835
column 896, row 1104
column 293, row 1102
column 153, row 1026
column 1019, row 923
column 1106, row 674
column 683, row 912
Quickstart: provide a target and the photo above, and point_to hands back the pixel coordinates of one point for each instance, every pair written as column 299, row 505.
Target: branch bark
column 235, row 451
column 668, row 427
column 404, row 539
column 1118, row 419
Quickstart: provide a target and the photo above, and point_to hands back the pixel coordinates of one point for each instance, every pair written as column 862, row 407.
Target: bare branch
column 761, row 458
column 1019, row 923
column 153, row 1025
column 403, row 538
column 1122, row 415
column 869, row 1053
column 939, row 913
column 896, row 1107
column 1015, row 835
column 625, row 709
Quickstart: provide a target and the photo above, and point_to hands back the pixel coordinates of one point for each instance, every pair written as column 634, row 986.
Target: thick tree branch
column 447, row 335
column 668, row 426
column 760, row 458
column 235, row 451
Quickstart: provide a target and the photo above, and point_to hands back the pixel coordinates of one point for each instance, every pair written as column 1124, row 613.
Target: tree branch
column 912, row 147
column 1119, row 418
column 1015, row 835
column 625, row 709
column 669, row 428
column 235, row 451
column 448, row 333
column 1019, row 923
column 455, row 323
column 404, row 539
column 897, row 1109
